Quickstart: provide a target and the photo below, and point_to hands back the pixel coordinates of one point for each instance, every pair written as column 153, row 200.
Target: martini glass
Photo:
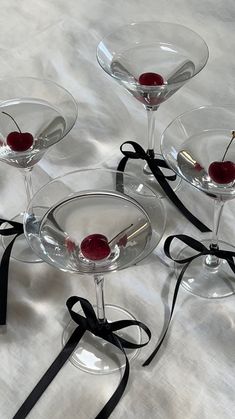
column 152, row 60
column 80, row 213
column 34, row 115
column 200, row 147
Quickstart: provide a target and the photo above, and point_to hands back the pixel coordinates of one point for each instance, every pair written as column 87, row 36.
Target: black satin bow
column 103, row 330
column 201, row 251
column 16, row 230
column 200, row 248
column 154, row 166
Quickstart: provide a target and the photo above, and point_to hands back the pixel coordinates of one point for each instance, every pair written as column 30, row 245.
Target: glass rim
column 191, row 111
column 111, row 171
column 153, row 88
column 54, row 84
column 178, row 118
column 101, row 169
column 42, row 80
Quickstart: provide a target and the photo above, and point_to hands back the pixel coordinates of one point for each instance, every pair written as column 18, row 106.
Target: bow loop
column 200, row 248
column 189, row 241
column 103, row 329
column 138, row 152
column 88, row 322
column 202, row 251
column 16, row 228
column 154, row 165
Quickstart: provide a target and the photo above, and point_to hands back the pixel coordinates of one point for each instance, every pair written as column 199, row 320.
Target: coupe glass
column 171, row 51
column 47, row 112
column 199, row 146
column 83, row 203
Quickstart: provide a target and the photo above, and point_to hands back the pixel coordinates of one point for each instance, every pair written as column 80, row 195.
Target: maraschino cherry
column 18, row 140
column 151, row 79
column 95, row 247
column 223, row 172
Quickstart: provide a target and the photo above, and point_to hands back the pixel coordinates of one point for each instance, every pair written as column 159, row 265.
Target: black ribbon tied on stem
column 104, row 330
column 154, row 166
column 201, row 251
column 16, row 230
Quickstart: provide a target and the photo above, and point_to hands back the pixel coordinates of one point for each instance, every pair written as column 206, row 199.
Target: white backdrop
column 193, row 375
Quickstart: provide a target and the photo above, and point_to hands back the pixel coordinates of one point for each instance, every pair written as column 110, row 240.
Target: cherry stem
column 5, row 113
column 230, row 142
column 125, row 229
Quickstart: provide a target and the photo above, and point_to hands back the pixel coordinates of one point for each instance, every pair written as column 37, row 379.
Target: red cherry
column 95, row 247
column 151, row 79
column 19, row 141
column 222, row 171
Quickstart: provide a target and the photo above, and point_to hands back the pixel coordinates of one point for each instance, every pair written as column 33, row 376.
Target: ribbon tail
column 176, row 290
column 119, row 175
column 174, row 199
column 113, row 401
column 50, row 374
column 231, row 263
column 154, row 166
column 4, row 269
column 162, row 163
column 90, row 323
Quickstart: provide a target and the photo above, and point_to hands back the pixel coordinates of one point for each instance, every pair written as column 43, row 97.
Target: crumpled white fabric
column 193, row 375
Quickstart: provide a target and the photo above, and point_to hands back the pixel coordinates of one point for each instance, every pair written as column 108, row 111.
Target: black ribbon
column 15, row 230
column 201, row 251
column 104, row 330
column 154, row 166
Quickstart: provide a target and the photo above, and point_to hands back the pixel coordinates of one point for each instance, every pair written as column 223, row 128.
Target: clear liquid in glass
column 173, row 65
column 63, row 227
column 195, row 155
column 37, row 117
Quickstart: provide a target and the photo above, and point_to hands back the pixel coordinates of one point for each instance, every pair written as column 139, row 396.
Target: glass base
column 95, row 355
column 203, row 280
column 21, row 250
column 141, row 170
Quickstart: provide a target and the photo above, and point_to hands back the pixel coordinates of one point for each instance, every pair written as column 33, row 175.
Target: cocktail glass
column 152, row 60
column 67, row 223
column 34, row 115
column 199, row 146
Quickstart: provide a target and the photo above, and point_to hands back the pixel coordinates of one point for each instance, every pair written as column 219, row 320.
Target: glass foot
column 95, row 355
column 205, row 281
column 141, row 170
column 21, row 250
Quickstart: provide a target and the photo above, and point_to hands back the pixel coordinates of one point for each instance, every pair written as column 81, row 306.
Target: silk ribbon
column 104, row 330
column 154, row 166
column 201, row 251
column 15, row 230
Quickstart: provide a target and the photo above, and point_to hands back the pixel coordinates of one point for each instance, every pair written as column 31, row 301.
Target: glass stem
column 211, row 260
column 27, row 174
column 151, row 131
column 99, row 287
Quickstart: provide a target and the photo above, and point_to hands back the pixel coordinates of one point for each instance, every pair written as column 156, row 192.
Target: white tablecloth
column 193, row 375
